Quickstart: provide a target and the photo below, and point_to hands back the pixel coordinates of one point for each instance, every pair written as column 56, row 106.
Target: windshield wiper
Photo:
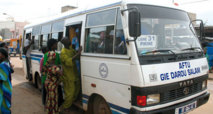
column 192, row 48
column 154, row 51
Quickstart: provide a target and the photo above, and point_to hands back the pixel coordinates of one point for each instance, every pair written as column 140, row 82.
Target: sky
column 29, row 10
column 203, row 9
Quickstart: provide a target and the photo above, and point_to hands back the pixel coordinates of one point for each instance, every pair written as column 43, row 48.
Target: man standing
column 70, row 77
column 27, row 48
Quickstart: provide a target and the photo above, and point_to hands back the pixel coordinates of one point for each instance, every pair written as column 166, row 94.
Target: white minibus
column 139, row 56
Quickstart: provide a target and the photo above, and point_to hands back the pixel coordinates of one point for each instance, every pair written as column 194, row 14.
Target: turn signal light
column 141, row 100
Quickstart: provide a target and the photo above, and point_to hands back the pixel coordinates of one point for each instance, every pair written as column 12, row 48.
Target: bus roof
column 163, row 3
column 72, row 13
column 79, row 11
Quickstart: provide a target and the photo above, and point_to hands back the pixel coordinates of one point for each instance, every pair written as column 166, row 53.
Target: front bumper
column 171, row 109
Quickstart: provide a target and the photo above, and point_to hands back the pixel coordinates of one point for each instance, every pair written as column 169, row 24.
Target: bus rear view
column 173, row 67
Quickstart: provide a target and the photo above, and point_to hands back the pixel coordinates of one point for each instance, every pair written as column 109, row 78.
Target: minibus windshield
column 165, row 29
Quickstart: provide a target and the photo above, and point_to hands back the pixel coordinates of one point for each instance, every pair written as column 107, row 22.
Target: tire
column 38, row 82
column 100, row 106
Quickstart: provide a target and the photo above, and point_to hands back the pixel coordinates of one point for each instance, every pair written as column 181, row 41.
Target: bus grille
column 178, row 93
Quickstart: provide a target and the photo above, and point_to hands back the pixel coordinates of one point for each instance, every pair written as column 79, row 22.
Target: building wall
column 7, row 24
column 20, row 27
column 11, row 29
column 5, row 29
column 208, row 31
column 6, row 33
column 67, row 8
column 192, row 17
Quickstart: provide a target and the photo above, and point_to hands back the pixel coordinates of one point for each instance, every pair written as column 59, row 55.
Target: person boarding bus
column 27, row 48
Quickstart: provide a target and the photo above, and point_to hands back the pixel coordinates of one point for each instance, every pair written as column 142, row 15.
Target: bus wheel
column 100, row 106
column 38, row 82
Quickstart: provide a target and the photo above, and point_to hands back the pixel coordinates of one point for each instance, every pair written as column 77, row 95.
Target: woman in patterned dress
column 53, row 71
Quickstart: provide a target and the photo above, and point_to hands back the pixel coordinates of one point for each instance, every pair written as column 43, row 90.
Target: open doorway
column 73, row 32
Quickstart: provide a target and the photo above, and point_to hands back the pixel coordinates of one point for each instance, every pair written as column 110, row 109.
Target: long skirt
column 51, row 104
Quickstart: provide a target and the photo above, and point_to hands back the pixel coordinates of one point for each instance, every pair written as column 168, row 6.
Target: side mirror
column 134, row 23
column 201, row 29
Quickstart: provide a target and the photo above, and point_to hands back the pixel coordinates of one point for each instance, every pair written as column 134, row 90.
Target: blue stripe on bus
column 115, row 112
column 112, row 106
column 37, row 59
column 85, row 96
column 119, row 108
column 85, row 101
column 34, row 55
column 33, row 58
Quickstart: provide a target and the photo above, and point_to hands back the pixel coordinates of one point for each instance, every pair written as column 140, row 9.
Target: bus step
column 78, row 104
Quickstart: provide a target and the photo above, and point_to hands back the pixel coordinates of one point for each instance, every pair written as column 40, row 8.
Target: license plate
column 186, row 108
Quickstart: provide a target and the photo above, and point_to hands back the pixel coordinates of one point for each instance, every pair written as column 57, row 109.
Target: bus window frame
column 103, row 55
column 33, row 38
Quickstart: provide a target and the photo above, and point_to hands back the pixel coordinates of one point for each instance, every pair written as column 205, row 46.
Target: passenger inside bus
column 75, row 45
column 75, row 42
column 109, row 42
column 101, row 44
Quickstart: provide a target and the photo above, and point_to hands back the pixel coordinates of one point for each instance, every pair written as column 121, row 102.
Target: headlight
column 204, row 84
column 153, row 99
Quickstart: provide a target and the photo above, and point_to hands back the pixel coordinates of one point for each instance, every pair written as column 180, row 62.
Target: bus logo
column 103, row 70
column 186, row 91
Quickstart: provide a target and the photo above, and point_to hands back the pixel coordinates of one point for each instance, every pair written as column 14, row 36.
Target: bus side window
column 36, row 42
column 41, row 40
column 58, row 36
column 100, row 32
column 44, row 40
column 100, row 40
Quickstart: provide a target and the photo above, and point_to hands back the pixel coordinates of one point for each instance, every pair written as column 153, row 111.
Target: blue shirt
column 75, row 42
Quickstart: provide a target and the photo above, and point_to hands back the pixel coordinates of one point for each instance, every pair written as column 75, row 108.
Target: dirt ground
column 26, row 99
column 208, row 107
